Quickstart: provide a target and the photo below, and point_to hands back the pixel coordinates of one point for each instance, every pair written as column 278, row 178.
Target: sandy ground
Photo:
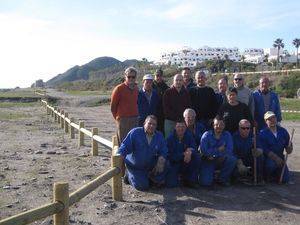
column 35, row 153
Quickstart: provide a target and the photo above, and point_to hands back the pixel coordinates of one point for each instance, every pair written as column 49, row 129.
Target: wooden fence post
column 94, row 142
column 114, row 141
column 58, row 116
column 116, row 161
column 62, row 119
column 81, row 134
column 66, row 123
column 52, row 113
column 55, row 115
column 72, row 131
column 61, row 194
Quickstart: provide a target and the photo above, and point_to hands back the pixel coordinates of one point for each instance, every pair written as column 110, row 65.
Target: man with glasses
column 243, row 148
column 265, row 100
column 124, row 106
column 160, row 86
column 244, row 94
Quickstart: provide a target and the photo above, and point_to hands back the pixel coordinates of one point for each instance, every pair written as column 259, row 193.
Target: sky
column 42, row 38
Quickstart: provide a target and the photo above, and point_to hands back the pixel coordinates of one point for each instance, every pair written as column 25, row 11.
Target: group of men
column 183, row 134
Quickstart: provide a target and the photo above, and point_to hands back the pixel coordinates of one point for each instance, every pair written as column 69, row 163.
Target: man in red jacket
column 175, row 100
column 124, row 104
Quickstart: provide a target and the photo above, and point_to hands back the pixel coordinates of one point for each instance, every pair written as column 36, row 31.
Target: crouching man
column 217, row 153
column 275, row 140
column 243, row 147
column 184, row 160
column 144, row 151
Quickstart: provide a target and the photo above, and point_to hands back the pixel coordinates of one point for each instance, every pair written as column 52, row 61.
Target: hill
column 82, row 72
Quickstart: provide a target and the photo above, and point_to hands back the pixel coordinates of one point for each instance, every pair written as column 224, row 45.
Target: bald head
column 264, row 84
column 178, row 81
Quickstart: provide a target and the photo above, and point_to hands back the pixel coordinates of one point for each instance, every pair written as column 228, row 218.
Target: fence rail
column 59, row 208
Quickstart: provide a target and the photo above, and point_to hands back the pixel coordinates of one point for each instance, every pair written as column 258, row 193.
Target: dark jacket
column 174, row 103
column 204, row 102
column 145, row 107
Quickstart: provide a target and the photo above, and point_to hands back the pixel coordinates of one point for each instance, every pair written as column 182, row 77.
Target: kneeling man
column 243, row 147
column 183, row 157
column 275, row 139
column 217, row 153
column 144, row 151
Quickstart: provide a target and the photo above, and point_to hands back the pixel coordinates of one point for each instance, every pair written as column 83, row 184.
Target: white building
column 254, row 55
column 190, row 57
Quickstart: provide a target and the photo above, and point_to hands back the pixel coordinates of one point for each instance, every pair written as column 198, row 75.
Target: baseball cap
column 268, row 115
column 148, row 77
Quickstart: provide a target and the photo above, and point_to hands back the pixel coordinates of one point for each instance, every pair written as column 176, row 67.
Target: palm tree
column 296, row 43
column 278, row 44
column 266, row 58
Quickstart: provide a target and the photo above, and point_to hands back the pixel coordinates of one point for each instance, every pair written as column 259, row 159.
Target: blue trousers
column 188, row 171
column 273, row 171
column 140, row 179
column 208, row 168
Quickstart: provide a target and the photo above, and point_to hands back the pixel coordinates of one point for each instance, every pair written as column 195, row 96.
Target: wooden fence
column 62, row 200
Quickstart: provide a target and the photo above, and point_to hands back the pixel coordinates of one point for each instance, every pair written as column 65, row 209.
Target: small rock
column 38, row 152
column 6, row 168
column 105, row 159
column 28, row 124
column 9, row 206
column 24, row 183
column 157, row 210
column 43, row 172
column 50, row 177
column 63, row 147
column 15, row 187
column 33, row 179
column 44, row 145
column 7, row 187
column 51, row 152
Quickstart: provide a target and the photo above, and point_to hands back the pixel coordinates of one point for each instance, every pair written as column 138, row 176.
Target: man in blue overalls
column 184, row 160
column 274, row 140
column 144, row 151
column 217, row 153
column 245, row 152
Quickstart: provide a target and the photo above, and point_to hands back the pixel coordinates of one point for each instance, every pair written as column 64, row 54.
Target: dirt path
column 29, row 167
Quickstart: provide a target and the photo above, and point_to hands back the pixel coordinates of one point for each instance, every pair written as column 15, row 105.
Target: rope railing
column 59, row 208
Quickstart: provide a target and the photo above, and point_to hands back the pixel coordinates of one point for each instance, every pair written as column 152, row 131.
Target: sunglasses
column 238, row 79
column 131, row 77
column 245, row 128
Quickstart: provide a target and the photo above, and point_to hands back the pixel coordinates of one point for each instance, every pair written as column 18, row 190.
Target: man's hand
column 187, row 155
column 243, row 170
column 257, row 152
column 160, row 165
column 289, row 148
column 221, row 148
column 279, row 162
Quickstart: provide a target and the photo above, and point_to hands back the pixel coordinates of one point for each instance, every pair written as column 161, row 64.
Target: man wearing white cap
column 147, row 99
column 274, row 139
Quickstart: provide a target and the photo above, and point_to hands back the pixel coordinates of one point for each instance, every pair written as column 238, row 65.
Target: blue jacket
column 270, row 143
column 260, row 107
column 177, row 148
column 242, row 146
column 209, row 144
column 138, row 154
column 146, row 108
column 199, row 131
